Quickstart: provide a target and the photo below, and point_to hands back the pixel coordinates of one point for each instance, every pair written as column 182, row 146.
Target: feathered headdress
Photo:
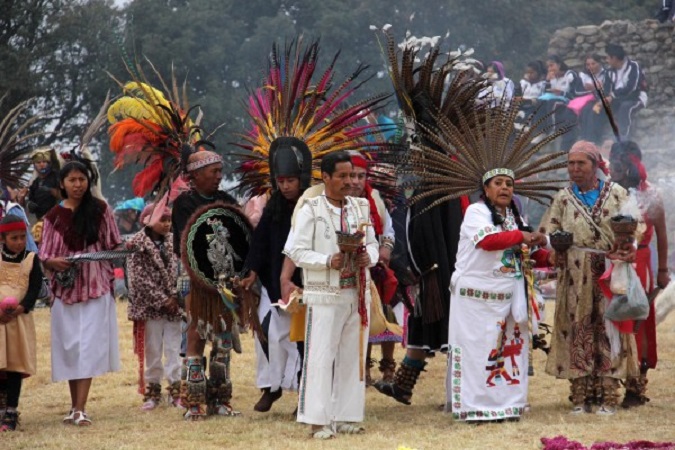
column 293, row 103
column 14, row 144
column 484, row 144
column 153, row 128
column 460, row 141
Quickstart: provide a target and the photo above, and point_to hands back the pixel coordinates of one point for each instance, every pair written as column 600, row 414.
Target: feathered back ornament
column 296, row 100
column 483, row 143
column 153, row 128
column 436, row 85
column 14, row 144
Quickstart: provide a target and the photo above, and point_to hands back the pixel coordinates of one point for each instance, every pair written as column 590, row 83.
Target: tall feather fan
column 296, row 101
column 483, row 140
column 15, row 148
column 153, row 128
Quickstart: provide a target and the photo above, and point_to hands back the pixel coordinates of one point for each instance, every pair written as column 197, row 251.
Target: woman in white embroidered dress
column 488, row 337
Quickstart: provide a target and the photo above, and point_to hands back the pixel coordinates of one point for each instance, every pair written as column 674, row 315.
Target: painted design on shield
column 504, row 351
column 221, row 255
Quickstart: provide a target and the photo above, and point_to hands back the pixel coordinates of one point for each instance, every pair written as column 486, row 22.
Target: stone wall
column 652, row 45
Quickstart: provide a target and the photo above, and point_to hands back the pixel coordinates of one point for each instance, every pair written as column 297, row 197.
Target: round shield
column 215, row 244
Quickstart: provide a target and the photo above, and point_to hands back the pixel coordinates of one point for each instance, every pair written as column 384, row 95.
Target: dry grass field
column 119, row 424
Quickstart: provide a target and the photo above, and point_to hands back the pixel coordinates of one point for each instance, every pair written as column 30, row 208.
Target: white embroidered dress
column 488, row 333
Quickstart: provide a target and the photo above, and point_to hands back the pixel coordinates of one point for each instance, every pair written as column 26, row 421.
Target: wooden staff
column 528, row 275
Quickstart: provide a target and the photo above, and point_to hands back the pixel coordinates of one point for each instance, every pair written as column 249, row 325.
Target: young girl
column 84, row 318
column 153, row 306
column 20, row 282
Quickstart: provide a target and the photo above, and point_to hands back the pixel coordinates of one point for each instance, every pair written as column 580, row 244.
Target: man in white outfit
column 332, row 387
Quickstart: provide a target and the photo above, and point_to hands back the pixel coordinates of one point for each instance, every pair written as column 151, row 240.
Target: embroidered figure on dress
column 498, row 354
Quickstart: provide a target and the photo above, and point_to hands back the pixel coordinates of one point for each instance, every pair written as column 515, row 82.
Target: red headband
column 12, row 226
column 360, row 161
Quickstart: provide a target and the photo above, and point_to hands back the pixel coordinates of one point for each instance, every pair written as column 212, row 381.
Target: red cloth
column 646, row 332
column 501, row 241
column 139, row 351
column 374, row 213
column 540, row 257
column 386, row 282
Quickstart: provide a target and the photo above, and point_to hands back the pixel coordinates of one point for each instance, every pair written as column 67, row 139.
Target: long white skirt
column 487, row 360
column 84, row 339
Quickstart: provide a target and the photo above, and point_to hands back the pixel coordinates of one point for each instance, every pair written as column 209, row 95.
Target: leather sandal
column 324, row 433
column 69, row 417
column 81, row 419
column 349, row 428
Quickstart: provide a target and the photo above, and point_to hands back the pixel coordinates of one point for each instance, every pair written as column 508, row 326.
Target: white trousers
column 278, row 359
column 162, row 335
column 330, row 388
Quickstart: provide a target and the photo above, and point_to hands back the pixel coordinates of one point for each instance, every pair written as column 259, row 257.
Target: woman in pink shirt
column 83, row 319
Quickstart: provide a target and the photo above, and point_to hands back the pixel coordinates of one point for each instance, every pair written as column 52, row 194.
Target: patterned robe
column 580, row 345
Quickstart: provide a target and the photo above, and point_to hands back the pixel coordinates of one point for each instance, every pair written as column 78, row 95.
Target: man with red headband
column 381, row 274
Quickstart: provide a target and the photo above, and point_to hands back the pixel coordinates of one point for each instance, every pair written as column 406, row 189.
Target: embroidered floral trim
column 485, row 295
column 485, row 231
column 508, row 225
column 456, row 377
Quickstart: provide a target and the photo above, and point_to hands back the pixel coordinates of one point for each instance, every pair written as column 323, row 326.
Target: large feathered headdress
column 460, row 140
column 293, row 102
column 153, row 128
column 15, row 150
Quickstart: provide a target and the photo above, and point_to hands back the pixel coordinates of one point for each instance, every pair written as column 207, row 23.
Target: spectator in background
column 562, row 86
column 502, row 87
column 629, row 88
column 532, row 86
column 127, row 214
column 666, row 12
column 43, row 193
column 592, row 117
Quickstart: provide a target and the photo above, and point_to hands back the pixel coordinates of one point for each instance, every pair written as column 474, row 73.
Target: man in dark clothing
column 278, row 359
column 628, row 94
column 205, row 169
